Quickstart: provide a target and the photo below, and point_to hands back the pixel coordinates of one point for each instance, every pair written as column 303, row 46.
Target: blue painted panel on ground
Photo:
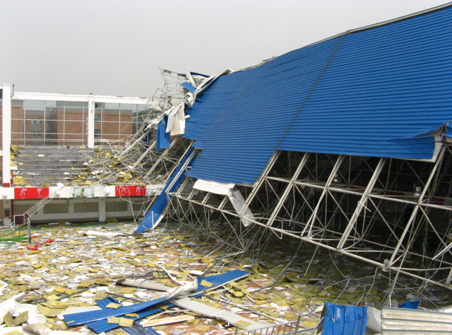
column 344, row 320
column 76, row 319
column 160, row 204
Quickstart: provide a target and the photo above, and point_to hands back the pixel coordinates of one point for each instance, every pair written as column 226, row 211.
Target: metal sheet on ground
column 217, row 313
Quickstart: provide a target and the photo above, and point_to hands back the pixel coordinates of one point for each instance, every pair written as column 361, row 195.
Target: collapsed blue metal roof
column 344, row 320
column 147, row 307
column 371, row 92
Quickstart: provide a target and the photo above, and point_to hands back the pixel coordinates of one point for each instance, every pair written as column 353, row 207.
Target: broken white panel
column 238, row 202
column 154, row 190
column 7, row 306
column 34, row 316
column 235, row 196
column 61, row 192
column 373, row 325
column 7, row 192
column 213, row 187
column 147, row 284
column 184, row 286
column 213, row 312
column 176, row 120
column 167, row 321
column 98, row 191
column 110, row 191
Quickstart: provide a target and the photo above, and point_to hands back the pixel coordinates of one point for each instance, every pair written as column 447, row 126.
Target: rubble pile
column 108, row 168
column 67, row 269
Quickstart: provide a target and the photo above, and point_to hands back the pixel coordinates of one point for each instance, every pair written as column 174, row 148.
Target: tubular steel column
column 6, row 135
column 333, row 173
column 288, row 189
column 90, row 125
column 360, row 205
column 416, row 208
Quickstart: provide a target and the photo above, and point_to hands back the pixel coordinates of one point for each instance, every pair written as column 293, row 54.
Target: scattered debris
column 216, row 313
column 75, row 273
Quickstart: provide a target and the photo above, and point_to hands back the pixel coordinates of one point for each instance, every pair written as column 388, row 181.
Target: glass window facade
column 48, row 122
column 114, row 121
column 65, row 123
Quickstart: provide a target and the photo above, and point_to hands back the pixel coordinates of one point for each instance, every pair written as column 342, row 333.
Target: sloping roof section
column 243, row 116
column 383, row 89
column 372, row 92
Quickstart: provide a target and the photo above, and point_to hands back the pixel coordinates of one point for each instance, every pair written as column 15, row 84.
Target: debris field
column 67, row 268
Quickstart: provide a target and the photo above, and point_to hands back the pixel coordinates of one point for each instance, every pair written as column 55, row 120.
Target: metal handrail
column 34, row 209
column 289, row 328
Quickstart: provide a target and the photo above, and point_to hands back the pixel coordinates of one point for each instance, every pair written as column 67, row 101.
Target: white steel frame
column 379, row 210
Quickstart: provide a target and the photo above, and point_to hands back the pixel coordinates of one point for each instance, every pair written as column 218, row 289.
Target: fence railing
column 289, row 328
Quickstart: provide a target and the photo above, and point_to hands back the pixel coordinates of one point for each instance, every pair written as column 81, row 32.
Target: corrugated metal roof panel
column 103, row 325
column 86, row 317
column 243, row 116
column 188, row 86
column 385, row 86
column 100, row 326
column 154, row 215
column 138, row 330
column 344, row 320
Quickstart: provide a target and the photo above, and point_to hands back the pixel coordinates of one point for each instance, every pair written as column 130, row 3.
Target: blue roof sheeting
column 138, row 330
column 86, row 317
column 163, row 139
column 243, row 116
column 76, row 319
column 160, row 204
column 101, row 326
column 383, row 89
column 371, row 92
column 188, row 86
column 344, row 320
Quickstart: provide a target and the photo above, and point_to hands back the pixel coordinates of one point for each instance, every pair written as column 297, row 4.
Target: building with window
column 54, row 122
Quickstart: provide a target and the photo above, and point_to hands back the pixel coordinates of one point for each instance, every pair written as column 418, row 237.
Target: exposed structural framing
column 395, row 214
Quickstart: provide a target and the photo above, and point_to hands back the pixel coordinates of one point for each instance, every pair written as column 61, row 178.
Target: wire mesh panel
column 289, row 328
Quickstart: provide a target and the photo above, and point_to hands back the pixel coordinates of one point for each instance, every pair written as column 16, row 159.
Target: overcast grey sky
column 116, row 47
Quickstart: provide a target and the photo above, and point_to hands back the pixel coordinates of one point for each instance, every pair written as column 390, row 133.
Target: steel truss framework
column 394, row 214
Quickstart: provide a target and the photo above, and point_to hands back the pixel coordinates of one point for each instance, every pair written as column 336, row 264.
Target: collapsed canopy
column 371, row 92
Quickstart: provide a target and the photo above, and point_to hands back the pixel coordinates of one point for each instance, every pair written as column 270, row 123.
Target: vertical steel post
column 6, row 135
column 333, row 173
column 288, row 189
column 416, row 208
column 90, row 125
column 360, row 205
